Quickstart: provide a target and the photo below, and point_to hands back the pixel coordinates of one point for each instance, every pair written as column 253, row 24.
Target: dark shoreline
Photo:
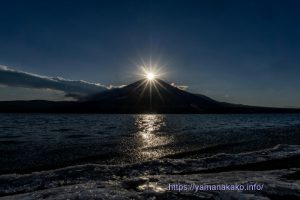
column 275, row 168
column 41, row 106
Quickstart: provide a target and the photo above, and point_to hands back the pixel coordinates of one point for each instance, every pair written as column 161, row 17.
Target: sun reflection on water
column 150, row 138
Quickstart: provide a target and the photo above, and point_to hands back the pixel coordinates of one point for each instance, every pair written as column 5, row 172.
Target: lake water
column 34, row 142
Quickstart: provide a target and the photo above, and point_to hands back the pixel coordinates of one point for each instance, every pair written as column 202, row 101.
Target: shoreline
column 148, row 178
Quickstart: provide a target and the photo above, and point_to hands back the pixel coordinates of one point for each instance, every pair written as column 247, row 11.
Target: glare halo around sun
column 150, row 76
column 150, row 72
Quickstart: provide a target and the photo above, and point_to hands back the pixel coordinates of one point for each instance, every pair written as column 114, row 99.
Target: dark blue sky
column 237, row 51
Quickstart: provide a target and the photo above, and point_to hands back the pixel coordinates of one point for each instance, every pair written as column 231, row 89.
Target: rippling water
column 31, row 142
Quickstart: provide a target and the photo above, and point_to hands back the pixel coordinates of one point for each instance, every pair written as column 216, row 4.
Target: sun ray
column 150, row 71
column 145, row 83
column 162, row 86
column 155, row 87
column 150, row 91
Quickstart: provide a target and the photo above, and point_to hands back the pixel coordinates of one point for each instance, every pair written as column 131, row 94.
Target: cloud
column 181, row 87
column 8, row 93
column 113, row 86
column 71, row 88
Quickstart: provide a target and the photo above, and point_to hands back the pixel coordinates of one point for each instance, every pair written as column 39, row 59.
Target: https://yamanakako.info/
column 214, row 187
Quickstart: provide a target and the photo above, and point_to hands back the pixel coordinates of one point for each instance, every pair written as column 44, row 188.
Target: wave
column 276, row 168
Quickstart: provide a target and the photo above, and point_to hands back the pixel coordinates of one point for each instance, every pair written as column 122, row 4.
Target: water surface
column 33, row 142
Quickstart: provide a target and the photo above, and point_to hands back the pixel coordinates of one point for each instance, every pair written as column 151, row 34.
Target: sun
column 150, row 76
column 150, row 72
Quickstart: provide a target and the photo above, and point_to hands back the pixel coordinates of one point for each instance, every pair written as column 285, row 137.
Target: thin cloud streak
column 72, row 88
column 181, row 87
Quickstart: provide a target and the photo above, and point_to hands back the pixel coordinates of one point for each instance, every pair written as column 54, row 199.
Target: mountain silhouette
column 155, row 95
column 142, row 96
